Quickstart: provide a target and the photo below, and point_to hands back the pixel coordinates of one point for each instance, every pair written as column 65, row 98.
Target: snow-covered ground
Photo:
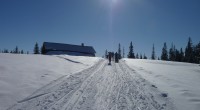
column 101, row 87
column 181, row 81
column 21, row 75
column 62, row 82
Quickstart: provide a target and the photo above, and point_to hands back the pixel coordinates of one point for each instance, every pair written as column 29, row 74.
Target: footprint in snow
column 164, row 95
column 154, row 86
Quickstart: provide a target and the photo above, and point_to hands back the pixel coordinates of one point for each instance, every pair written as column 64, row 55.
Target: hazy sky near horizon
column 99, row 23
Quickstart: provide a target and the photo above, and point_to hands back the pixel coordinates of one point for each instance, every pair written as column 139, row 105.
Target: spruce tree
column 177, row 55
column 36, row 48
column 153, row 56
column 140, row 56
column 16, row 51
column 119, row 52
column 22, row 52
column 164, row 55
column 43, row 50
column 181, row 55
column 131, row 53
column 172, row 53
column 189, row 54
column 175, row 50
column 144, row 57
column 197, row 53
column 5, row 51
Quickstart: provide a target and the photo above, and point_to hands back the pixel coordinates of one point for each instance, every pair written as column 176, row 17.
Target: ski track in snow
column 100, row 87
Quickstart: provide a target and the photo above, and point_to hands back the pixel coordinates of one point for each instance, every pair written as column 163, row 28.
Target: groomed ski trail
column 101, row 87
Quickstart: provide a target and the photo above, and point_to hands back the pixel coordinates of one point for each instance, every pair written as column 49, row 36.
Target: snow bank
column 21, row 75
column 181, row 81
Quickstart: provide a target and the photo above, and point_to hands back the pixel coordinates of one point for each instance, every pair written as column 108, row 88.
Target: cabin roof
column 68, row 47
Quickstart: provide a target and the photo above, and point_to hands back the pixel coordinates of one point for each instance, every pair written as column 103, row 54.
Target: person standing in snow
column 109, row 57
column 116, row 57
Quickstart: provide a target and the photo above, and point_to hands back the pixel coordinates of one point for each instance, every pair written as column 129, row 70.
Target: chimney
column 82, row 44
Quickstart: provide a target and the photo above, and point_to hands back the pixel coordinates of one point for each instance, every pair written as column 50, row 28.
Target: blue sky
column 99, row 23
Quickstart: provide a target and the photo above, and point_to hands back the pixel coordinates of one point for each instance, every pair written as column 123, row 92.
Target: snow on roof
column 68, row 47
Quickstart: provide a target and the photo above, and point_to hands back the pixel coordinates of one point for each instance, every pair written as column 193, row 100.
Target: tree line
column 131, row 54
column 38, row 50
column 16, row 50
column 190, row 55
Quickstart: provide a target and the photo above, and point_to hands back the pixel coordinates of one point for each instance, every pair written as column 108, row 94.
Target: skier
column 109, row 57
column 116, row 57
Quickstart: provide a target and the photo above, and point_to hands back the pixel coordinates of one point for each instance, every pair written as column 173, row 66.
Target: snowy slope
column 181, row 81
column 21, row 75
column 59, row 82
column 101, row 87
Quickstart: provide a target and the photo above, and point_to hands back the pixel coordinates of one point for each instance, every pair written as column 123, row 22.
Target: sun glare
column 114, row 1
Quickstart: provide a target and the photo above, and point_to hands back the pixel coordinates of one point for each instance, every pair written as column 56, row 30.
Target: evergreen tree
column 172, row 53
column 175, row 52
column 137, row 56
column 140, row 56
column 153, row 56
column 189, row 54
column 197, row 53
column 158, row 58
column 181, row 55
column 43, row 51
column 16, row 51
column 119, row 52
column 144, row 57
column 177, row 55
column 131, row 53
column 36, row 48
column 22, row 52
column 164, row 55
column 5, row 51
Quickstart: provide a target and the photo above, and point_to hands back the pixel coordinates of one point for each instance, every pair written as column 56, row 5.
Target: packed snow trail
column 101, row 87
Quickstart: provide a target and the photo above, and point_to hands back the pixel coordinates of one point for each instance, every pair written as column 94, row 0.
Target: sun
column 114, row 1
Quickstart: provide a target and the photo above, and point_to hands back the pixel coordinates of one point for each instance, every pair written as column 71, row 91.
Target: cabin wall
column 57, row 52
